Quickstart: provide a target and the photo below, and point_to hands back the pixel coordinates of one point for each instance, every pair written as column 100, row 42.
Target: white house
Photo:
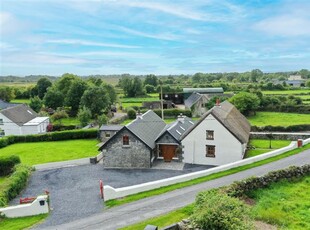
column 219, row 137
column 21, row 120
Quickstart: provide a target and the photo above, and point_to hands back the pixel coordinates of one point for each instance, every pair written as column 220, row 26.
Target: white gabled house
column 219, row 137
column 21, row 120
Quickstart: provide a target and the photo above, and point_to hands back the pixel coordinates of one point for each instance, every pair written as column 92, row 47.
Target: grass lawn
column 285, row 204
column 24, row 101
column 131, row 104
column 21, row 223
column 53, row 151
column 262, row 146
column 164, row 220
column 138, row 99
column 288, row 92
column 68, row 121
column 279, row 119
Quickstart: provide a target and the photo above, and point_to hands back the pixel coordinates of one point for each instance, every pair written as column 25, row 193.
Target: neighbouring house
column 175, row 98
column 108, row 131
column 133, row 146
column 5, row 105
column 219, row 137
column 21, row 120
column 157, row 104
column 169, row 140
column 196, row 102
column 296, row 81
column 187, row 92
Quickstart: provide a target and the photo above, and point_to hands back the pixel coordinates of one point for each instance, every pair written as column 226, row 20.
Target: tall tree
column 132, row 87
column 151, row 79
column 256, row 74
column 64, row 83
column 53, row 98
column 7, row 93
column 42, row 85
column 36, row 103
column 245, row 102
column 111, row 91
column 74, row 95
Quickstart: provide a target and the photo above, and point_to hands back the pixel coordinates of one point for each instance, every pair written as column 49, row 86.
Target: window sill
column 126, row 146
column 212, row 156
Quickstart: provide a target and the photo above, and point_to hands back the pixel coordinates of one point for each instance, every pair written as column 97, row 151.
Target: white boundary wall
column 113, row 193
column 31, row 209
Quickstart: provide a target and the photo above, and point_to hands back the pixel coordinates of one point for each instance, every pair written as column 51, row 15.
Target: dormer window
column 125, row 140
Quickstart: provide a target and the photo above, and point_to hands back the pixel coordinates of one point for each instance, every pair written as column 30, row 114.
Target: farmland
column 262, row 146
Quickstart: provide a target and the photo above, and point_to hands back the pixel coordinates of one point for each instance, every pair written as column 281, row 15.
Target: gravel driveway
column 75, row 190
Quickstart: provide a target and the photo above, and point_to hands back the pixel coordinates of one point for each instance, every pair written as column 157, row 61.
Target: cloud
column 90, row 43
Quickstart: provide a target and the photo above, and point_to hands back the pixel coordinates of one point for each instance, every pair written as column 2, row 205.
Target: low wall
column 38, row 206
column 113, row 193
column 279, row 136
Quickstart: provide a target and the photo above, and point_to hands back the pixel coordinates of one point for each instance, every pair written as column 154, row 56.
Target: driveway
column 75, row 190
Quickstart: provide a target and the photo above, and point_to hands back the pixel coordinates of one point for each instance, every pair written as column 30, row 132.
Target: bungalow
column 219, row 137
column 21, row 120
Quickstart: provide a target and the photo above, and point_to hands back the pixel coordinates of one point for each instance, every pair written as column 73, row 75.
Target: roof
column 147, row 127
column 19, row 114
column 295, row 77
column 230, row 117
column 203, row 90
column 36, row 121
column 111, row 127
column 4, row 104
column 192, row 99
column 177, row 128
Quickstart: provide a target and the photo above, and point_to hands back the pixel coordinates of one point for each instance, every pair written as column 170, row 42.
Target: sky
column 87, row 37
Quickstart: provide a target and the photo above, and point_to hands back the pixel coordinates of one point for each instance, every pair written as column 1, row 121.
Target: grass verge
column 262, row 146
column 21, row 223
column 142, row 195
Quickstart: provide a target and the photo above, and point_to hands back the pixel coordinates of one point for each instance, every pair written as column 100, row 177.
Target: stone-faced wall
column 279, row 136
column 134, row 155
column 166, row 139
column 103, row 137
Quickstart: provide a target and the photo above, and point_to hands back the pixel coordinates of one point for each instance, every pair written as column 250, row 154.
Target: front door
column 168, row 152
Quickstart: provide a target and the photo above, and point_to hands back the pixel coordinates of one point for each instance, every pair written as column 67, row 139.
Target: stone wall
column 103, row 136
column 280, row 136
column 135, row 155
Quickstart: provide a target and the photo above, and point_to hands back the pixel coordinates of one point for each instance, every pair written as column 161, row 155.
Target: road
column 134, row 212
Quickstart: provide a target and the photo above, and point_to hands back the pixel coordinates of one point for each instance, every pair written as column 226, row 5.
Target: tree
column 132, row 87
column 96, row 99
column 151, row 80
column 7, row 93
column 42, row 85
column 111, row 91
column 36, row 103
column 150, row 89
column 53, row 98
column 102, row 120
column 58, row 115
column 245, row 102
column 64, row 83
column 308, row 83
column 74, row 95
column 256, row 74
column 84, row 116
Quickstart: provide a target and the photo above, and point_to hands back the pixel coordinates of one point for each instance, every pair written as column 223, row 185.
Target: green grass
column 21, row 223
column 24, row 101
column 164, row 220
column 287, row 92
column 142, row 195
column 262, row 146
column 285, row 204
column 138, row 99
column 279, row 119
column 53, row 151
column 131, row 104
column 68, row 121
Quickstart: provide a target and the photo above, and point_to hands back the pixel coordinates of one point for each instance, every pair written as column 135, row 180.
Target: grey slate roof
column 177, row 128
column 147, row 127
column 4, row 104
column 111, row 127
column 231, row 118
column 203, row 90
column 192, row 99
column 19, row 114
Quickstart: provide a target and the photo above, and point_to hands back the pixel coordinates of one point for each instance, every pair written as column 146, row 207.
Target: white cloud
column 89, row 43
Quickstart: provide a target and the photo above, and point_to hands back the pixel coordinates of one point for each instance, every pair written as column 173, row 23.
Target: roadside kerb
column 61, row 164
column 114, row 193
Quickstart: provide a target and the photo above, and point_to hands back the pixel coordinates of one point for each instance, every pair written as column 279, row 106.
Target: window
column 1, row 121
column 107, row 134
column 125, row 140
column 2, row 133
column 210, row 151
column 210, row 134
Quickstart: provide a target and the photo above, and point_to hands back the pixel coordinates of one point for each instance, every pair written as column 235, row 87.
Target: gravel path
column 75, row 190
column 140, row 210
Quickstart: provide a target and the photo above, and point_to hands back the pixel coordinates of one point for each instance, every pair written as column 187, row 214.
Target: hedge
column 241, row 188
column 52, row 136
column 7, row 164
column 287, row 108
column 172, row 112
column 14, row 184
column 292, row 128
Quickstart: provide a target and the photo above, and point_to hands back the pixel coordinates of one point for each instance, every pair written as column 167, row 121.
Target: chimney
column 181, row 118
column 139, row 115
column 218, row 102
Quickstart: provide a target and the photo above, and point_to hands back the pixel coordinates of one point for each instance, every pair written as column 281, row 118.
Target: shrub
column 172, row 112
column 15, row 184
column 214, row 210
column 131, row 113
column 7, row 164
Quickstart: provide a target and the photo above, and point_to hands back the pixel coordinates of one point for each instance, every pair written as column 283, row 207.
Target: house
column 219, row 137
column 175, row 98
column 196, row 103
column 296, row 81
column 133, row 146
column 157, row 104
column 108, row 131
column 169, row 140
column 21, row 120
column 4, row 104
column 187, row 92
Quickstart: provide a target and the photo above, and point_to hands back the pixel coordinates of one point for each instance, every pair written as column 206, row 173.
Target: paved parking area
column 75, row 190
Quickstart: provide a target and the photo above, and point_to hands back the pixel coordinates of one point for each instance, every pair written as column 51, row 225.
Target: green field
column 45, row 152
column 279, row 119
column 262, row 146
column 21, row 223
column 284, row 204
column 23, row 101
column 287, row 92
column 68, row 121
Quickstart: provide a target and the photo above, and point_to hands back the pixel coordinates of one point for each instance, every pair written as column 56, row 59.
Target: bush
column 15, row 184
column 214, row 210
column 172, row 113
column 7, row 164
column 131, row 113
